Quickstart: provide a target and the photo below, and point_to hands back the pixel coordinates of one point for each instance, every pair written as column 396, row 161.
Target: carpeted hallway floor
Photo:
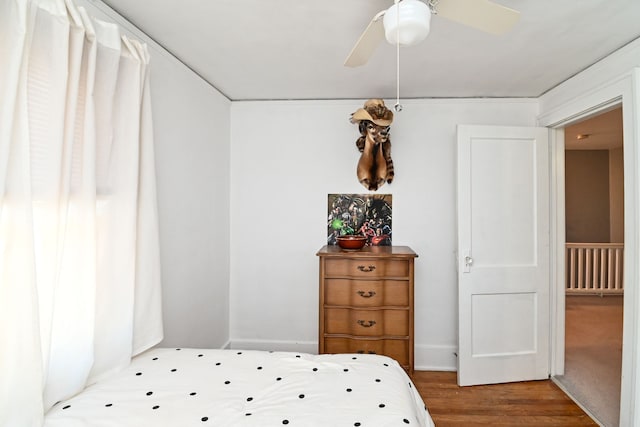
column 593, row 354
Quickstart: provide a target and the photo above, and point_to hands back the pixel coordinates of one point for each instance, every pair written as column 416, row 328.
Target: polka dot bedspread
column 197, row 387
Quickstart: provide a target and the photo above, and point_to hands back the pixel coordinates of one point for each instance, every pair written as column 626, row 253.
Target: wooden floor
column 535, row 403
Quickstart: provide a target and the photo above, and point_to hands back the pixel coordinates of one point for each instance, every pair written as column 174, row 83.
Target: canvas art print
column 365, row 214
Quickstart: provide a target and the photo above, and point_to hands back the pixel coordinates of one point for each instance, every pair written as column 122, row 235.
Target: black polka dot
column 356, row 424
column 108, row 405
column 279, row 379
column 386, row 364
column 406, row 421
column 298, row 356
column 285, row 421
column 249, row 399
column 155, row 358
column 138, row 373
column 178, row 349
column 204, row 419
column 149, row 393
column 239, row 352
column 353, row 358
column 378, row 380
column 173, row 370
column 346, row 370
column 200, row 355
column 155, row 407
column 382, row 405
column 247, row 414
column 66, row 407
column 349, row 390
column 227, row 382
column 301, row 396
column 218, row 364
column 193, row 393
column 315, row 369
column 259, row 368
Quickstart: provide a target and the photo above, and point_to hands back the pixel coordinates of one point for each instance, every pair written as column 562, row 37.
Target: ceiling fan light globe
column 407, row 22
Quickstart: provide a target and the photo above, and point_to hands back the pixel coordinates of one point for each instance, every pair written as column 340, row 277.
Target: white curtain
column 79, row 249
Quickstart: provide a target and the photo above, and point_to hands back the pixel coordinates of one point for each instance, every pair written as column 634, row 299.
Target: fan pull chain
column 397, row 107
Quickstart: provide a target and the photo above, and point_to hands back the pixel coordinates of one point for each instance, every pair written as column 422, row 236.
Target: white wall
column 191, row 131
column 286, row 156
column 192, row 158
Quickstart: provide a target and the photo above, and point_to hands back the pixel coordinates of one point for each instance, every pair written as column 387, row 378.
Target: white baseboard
column 426, row 357
column 269, row 345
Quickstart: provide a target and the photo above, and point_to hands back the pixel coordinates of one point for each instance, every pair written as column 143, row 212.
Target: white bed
column 196, row 387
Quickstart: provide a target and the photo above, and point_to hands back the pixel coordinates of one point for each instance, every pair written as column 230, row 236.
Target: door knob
column 468, row 262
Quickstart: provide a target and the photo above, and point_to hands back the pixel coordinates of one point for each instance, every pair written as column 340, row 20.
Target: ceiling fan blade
column 483, row 15
column 367, row 43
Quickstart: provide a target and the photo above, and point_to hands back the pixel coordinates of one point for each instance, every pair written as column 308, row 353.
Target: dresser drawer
column 396, row 349
column 371, row 323
column 366, row 293
column 366, row 267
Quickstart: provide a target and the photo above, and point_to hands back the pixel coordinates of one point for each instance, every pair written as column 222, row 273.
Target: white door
column 503, row 254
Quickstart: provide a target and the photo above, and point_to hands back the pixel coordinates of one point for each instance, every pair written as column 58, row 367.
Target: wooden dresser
column 366, row 301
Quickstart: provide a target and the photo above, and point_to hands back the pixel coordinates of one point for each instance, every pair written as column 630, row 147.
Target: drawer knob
column 366, row 269
column 364, row 294
column 366, row 323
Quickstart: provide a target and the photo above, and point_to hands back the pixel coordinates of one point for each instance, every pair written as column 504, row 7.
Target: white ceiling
column 294, row 49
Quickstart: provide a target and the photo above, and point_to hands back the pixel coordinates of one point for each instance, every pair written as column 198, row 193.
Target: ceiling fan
column 407, row 23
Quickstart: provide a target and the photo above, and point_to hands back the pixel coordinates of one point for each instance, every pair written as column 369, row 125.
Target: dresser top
column 367, row 251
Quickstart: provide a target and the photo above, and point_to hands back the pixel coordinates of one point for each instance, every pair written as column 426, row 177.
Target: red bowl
column 351, row 241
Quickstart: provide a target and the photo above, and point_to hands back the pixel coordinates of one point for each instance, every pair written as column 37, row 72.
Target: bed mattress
column 197, row 387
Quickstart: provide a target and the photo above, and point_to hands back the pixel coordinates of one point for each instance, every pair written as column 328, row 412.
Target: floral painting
column 365, row 214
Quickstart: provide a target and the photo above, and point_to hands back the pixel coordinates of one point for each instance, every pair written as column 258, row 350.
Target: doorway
column 594, row 94
column 594, row 290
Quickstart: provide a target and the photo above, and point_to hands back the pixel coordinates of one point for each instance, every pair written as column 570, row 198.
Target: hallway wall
column 587, row 196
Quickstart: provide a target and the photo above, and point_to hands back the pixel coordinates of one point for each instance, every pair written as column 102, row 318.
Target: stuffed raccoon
column 375, row 165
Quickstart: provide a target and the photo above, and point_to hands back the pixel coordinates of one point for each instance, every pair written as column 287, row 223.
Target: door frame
column 623, row 90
